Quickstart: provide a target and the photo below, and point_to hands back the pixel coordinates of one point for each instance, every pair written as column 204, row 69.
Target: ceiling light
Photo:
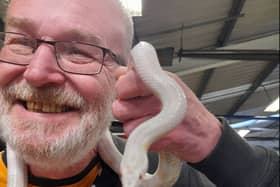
column 134, row 6
column 273, row 107
column 243, row 132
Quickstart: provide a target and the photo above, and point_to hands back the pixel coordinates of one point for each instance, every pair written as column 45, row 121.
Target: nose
column 43, row 69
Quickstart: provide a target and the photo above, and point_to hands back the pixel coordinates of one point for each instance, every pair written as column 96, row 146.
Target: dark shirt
column 233, row 163
column 2, row 145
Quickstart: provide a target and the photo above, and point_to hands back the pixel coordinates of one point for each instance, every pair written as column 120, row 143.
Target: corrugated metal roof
column 204, row 21
column 235, row 75
column 261, row 17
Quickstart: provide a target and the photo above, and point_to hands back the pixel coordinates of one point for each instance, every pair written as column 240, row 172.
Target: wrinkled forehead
column 102, row 18
column 100, row 9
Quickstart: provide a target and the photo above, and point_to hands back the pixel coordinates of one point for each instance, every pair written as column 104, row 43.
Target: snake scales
column 132, row 166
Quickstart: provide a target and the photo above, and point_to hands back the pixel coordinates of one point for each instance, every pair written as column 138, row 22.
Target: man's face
column 47, row 114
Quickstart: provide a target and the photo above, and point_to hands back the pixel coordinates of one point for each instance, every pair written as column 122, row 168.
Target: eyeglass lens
column 73, row 57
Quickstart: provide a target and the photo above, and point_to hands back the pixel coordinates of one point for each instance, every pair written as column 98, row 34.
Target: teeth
column 58, row 109
column 30, row 105
column 44, row 107
column 37, row 106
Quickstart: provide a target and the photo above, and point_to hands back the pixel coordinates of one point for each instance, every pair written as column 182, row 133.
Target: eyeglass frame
column 38, row 42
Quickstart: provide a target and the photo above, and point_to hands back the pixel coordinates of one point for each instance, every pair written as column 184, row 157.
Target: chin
column 55, row 146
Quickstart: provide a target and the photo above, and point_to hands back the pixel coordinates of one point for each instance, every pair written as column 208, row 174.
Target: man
column 59, row 81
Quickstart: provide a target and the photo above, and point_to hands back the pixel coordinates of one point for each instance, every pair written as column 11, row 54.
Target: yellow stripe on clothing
column 87, row 181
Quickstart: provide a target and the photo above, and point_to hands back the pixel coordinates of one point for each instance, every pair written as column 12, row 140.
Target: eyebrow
column 25, row 23
column 82, row 37
column 19, row 22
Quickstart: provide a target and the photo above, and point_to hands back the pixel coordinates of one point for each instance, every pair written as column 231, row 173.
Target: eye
column 79, row 53
column 109, row 61
column 78, row 56
column 19, row 45
column 18, row 41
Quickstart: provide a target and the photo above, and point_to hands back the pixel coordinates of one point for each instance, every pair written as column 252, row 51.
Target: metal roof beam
column 204, row 82
column 194, row 25
column 224, row 37
column 233, row 54
column 261, row 77
column 237, row 91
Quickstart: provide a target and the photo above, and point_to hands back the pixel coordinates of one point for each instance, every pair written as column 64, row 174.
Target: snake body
column 134, row 163
column 17, row 172
column 132, row 166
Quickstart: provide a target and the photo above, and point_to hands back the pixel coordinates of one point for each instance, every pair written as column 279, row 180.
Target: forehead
column 54, row 18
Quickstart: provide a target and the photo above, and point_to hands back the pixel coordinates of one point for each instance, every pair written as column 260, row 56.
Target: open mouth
column 44, row 107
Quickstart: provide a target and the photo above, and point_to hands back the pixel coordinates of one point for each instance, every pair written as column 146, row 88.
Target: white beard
column 71, row 143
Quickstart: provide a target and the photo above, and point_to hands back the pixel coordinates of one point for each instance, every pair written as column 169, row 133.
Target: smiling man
column 56, row 101
column 60, row 82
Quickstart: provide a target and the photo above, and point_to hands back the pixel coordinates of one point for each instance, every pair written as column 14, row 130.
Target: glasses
column 71, row 56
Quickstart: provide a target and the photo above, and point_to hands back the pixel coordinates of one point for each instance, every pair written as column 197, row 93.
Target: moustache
column 23, row 93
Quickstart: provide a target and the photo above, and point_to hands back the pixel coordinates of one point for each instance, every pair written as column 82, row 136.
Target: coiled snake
column 134, row 162
column 132, row 166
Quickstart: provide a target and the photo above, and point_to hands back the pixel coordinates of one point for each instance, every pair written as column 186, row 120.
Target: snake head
column 134, row 169
column 132, row 179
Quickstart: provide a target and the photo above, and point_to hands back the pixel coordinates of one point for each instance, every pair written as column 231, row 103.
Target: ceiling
column 235, row 88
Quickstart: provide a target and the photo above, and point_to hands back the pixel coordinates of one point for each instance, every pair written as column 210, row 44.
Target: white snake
column 134, row 162
column 17, row 171
column 132, row 166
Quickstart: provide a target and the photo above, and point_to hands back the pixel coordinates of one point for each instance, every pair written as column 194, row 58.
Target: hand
column 192, row 140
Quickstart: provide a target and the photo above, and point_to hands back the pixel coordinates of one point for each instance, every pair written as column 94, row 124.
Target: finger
column 130, row 85
column 125, row 110
column 130, row 125
column 120, row 71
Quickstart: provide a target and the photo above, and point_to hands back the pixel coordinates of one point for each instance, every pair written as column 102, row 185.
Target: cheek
column 91, row 90
column 95, row 87
column 9, row 72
